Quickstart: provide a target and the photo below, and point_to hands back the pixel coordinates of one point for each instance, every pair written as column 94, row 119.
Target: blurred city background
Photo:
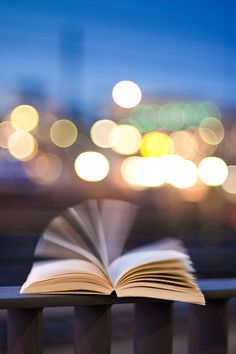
column 132, row 100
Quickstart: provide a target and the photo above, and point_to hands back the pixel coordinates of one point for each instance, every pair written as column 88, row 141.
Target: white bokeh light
column 142, row 171
column 213, row 171
column 126, row 94
column 91, row 166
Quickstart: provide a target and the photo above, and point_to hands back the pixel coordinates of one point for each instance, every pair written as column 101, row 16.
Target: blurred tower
column 70, row 56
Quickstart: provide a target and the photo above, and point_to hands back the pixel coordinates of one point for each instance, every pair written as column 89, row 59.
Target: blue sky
column 78, row 50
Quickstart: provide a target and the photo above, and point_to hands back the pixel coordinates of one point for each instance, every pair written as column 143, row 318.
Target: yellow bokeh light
column 142, row 171
column 125, row 139
column 126, row 94
column 24, row 117
column 6, row 129
column 156, row 144
column 22, row 145
column 63, row 133
column 185, row 144
column 229, row 184
column 213, row 171
column 91, row 166
column 211, row 131
column 100, row 132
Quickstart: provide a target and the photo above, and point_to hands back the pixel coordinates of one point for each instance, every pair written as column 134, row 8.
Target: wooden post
column 153, row 328
column 92, row 333
column 24, row 331
column 208, row 328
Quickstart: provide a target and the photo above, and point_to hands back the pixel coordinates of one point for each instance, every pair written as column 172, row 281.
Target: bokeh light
column 24, row 117
column 48, row 167
column 185, row 144
column 63, row 133
column 185, row 174
column 100, row 132
column 144, row 117
column 125, row 139
column 155, row 144
column 22, row 145
column 211, row 130
column 229, row 184
column 126, row 94
column 204, row 110
column 44, row 168
column 213, row 171
column 6, row 129
column 91, row 166
column 179, row 172
column 171, row 116
column 142, row 171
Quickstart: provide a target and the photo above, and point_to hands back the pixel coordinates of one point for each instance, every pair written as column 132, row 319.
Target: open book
column 82, row 254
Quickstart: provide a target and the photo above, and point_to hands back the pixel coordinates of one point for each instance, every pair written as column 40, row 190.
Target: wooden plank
column 153, row 328
column 208, row 328
column 92, row 330
column 10, row 297
column 24, row 331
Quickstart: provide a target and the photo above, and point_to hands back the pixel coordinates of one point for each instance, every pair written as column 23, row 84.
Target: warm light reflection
column 229, row 184
column 91, row 166
column 63, row 133
column 195, row 193
column 100, row 132
column 6, row 129
column 142, row 171
column 185, row 144
column 125, row 139
column 213, row 171
column 126, row 94
column 211, row 130
column 22, row 145
column 156, row 144
column 24, row 117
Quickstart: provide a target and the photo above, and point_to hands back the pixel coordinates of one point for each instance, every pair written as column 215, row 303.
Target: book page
column 131, row 260
column 62, row 271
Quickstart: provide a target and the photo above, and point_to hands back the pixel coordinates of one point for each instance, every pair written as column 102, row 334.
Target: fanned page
column 72, row 235
column 159, row 274
column 117, row 218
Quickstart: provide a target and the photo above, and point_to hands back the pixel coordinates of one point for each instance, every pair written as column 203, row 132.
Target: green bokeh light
column 144, row 117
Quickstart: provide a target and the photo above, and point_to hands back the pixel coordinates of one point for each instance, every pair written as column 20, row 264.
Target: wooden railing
column 208, row 330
